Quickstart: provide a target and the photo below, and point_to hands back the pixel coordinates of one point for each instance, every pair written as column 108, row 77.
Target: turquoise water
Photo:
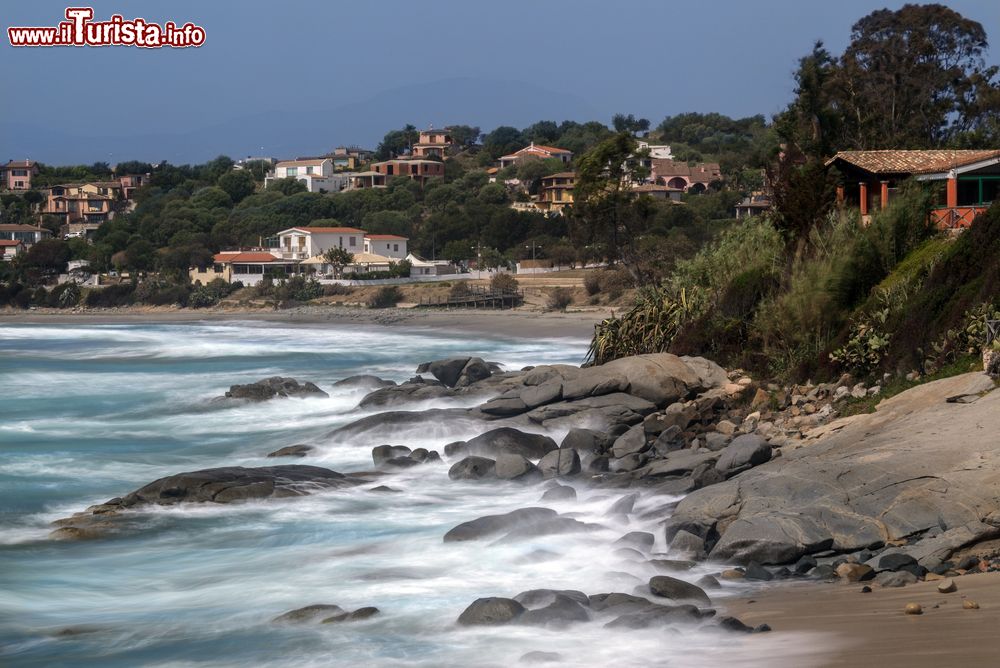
column 92, row 412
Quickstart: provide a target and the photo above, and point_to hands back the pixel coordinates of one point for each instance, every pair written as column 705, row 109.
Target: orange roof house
column 536, row 152
column 871, row 178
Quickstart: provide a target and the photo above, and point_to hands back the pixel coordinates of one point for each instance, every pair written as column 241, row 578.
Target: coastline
column 517, row 323
column 872, row 630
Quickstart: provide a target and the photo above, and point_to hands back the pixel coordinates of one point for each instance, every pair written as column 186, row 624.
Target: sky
column 299, row 77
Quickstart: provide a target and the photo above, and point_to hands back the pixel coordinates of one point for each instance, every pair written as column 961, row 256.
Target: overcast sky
column 348, row 67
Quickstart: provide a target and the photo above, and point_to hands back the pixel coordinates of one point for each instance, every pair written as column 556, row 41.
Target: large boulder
column 491, row 612
column 511, row 441
column 457, row 371
column 473, row 468
column 510, row 466
column 660, row 378
column 274, row 387
column 410, row 392
column 363, row 381
column 678, row 590
column 744, row 452
column 521, row 523
column 560, row 463
column 868, row 480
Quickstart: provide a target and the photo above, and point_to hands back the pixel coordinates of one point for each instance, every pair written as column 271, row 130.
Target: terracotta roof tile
column 245, row 257
column 329, row 230
column 912, row 162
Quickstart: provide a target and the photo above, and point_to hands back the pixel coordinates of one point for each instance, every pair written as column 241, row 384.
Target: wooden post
column 952, row 192
column 863, row 188
column 885, row 194
column 840, row 195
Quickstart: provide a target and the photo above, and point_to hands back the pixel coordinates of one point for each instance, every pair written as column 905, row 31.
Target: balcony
column 955, row 218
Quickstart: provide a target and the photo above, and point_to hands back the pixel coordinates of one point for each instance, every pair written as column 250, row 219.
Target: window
column 20, row 172
column 291, row 171
column 395, row 248
column 353, row 241
column 309, row 170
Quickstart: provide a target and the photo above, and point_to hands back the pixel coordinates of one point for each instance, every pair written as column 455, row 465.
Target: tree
column 45, row 259
column 338, row 258
column 504, row 140
column 630, row 123
column 464, row 135
column 915, row 77
column 238, row 183
column 397, row 142
column 812, row 122
column 287, row 186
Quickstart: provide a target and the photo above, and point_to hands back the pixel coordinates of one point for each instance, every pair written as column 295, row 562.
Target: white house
column 301, row 243
column 388, row 245
column 422, row 267
column 317, row 174
column 656, row 151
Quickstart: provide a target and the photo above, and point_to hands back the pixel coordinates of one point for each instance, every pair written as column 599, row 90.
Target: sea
column 92, row 411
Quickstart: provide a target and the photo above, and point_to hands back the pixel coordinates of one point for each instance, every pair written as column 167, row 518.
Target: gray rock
column 894, row 562
column 560, row 463
column 291, row 451
column 491, row 525
column 584, row 440
column 363, row 381
column 677, row 590
column 631, row 442
column 660, row 378
column 274, row 387
column 510, row 440
column 491, row 612
column 310, row 613
column 642, row 540
column 561, row 612
column 546, row 393
column 515, row 467
column 896, row 578
column 715, row 441
column 409, row 392
column 687, row 545
column 383, row 453
column 559, row 493
column 354, row 616
column 710, row 375
column 657, row 616
column 473, row 468
column 457, row 371
column 539, row 598
column 624, row 505
column 744, row 452
column 670, row 440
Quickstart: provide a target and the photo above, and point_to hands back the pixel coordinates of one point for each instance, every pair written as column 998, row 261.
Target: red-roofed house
column 689, row 178
column 10, row 248
column 17, row 174
column 302, row 243
column 388, row 245
column 536, row 152
column 971, row 178
column 247, row 267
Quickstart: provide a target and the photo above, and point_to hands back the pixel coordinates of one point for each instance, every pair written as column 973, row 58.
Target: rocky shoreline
column 762, row 480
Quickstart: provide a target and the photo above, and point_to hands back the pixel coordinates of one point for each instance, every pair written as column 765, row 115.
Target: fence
column 478, row 297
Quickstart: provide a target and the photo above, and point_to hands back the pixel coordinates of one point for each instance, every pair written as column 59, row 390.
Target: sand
column 517, row 323
column 871, row 629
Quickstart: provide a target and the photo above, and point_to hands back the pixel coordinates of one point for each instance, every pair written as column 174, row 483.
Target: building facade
column 17, row 174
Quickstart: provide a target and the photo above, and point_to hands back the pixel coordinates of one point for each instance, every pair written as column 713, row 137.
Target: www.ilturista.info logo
column 80, row 30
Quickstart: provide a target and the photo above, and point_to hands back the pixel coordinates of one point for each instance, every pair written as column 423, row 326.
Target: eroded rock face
column 510, row 441
column 458, row 371
column 492, row 525
column 274, row 387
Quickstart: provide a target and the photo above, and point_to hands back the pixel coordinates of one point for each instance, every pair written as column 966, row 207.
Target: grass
column 965, row 364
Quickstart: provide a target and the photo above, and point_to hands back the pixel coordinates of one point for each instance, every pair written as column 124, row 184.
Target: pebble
column 732, row 574
column 969, row 604
column 913, row 609
column 946, row 586
column 866, row 590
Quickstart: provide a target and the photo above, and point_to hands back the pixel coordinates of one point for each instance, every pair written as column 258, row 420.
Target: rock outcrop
column 274, row 387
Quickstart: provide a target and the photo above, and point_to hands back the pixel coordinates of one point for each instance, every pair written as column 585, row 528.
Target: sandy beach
column 872, row 630
column 512, row 323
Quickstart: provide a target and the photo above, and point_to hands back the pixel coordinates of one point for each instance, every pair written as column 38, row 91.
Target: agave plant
column 648, row 327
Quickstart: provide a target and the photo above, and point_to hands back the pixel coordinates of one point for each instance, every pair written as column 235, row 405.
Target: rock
column 491, row 612
column 866, row 590
column 855, row 572
column 560, row 463
column 969, row 604
column 540, row 657
column 617, row 602
column 760, row 400
column 511, row 466
column 710, row 375
column 357, row 615
column 385, row 489
column 539, row 598
column 896, row 578
column 725, row 427
column 364, row 381
column 274, row 387
column 561, row 612
column 660, row 378
column 708, row 582
column 473, row 468
column 677, row 590
column 733, row 624
column 400, row 463
column 895, row 561
column 546, row 393
column 291, row 451
column 631, row 442
column 491, row 525
column 410, row 391
column 715, row 441
column 670, row 440
column 743, row 453
column 628, row 463
column 946, row 586
column 510, row 440
column 502, row 406
column 657, row 616
column 755, row 571
column 913, row 609
column 457, row 371
column 624, row 505
column 823, row 572
column 640, row 539
column 731, row 574
column 308, row 614
column 687, row 545
column 383, row 453
column 584, row 440
column 559, row 493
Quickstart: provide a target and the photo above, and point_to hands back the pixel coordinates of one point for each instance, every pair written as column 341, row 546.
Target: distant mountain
column 483, row 102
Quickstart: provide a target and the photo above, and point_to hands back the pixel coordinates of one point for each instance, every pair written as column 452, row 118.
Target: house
column 10, row 248
column 26, row 234
column 363, row 262
column 536, row 152
column 432, row 144
column 657, row 191
column 132, row 182
column 971, row 179
column 656, row 151
column 688, row 178
column 247, row 267
column 754, row 205
column 416, row 169
column 389, row 245
column 422, row 267
column 556, row 192
column 346, row 158
column 302, row 243
column 17, row 174
column 83, row 207
column 316, row 173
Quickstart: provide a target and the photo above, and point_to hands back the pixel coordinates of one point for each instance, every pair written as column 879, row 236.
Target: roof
column 325, row 230
column 386, row 237
column 912, row 162
column 20, row 163
column 371, row 258
column 653, row 187
column 10, row 242
column 560, row 175
column 316, row 162
column 538, row 149
column 665, row 167
column 238, row 256
column 10, row 227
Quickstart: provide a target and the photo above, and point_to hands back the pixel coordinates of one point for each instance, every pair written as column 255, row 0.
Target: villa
column 432, row 144
column 682, row 176
column 416, row 169
column 10, row 248
column 536, row 152
column 17, row 174
column 316, row 173
column 28, row 235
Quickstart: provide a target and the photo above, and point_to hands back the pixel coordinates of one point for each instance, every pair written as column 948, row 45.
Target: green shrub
column 122, row 294
column 864, row 351
column 460, row 290
column 336, row 289
column 386, row 297
column 592, row 283
column 648, row 327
